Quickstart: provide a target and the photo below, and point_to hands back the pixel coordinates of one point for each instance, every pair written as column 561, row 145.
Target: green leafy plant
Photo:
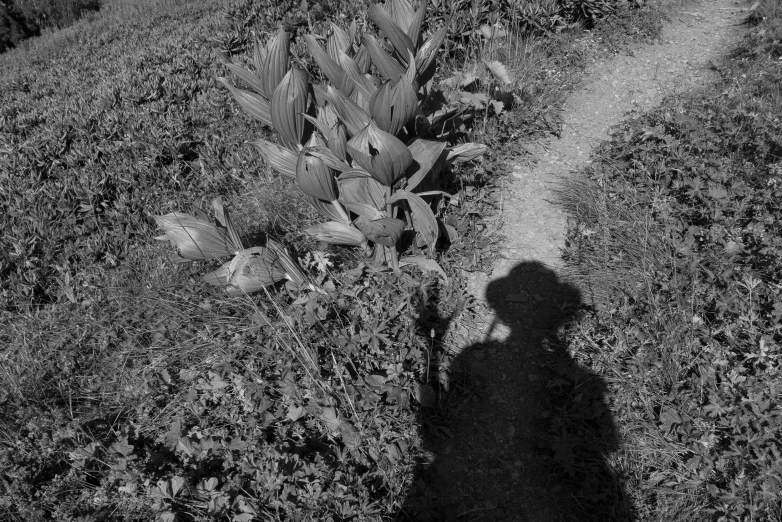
column 355, row 144
column 198, row 238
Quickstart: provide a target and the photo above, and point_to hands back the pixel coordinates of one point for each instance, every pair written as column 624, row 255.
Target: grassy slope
column 677, row 237
column 122, row 375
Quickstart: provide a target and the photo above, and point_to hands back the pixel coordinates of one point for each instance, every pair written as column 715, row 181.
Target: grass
column 676, row 241
column 129, row 390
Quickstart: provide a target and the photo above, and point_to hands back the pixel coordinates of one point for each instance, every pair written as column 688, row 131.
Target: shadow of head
column 532, row 298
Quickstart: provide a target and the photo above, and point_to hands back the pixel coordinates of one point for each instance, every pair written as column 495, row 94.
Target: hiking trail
column 492, row 467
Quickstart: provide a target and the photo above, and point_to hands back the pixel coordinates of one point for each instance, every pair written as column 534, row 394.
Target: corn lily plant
column 198, row 238
column 353, row 144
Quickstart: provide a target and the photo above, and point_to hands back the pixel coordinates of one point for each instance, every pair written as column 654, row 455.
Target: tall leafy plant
column 354, row 144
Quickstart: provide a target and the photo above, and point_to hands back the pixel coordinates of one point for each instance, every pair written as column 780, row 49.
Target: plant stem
column 394, row 260
column 391, row 250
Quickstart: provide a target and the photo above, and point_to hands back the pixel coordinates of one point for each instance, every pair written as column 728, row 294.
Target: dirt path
column 498, row 465
column 696, row 36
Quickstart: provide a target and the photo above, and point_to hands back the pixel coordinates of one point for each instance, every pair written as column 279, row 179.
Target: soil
column 509, row 453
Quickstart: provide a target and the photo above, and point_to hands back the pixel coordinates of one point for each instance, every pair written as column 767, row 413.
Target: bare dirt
column 511, row 455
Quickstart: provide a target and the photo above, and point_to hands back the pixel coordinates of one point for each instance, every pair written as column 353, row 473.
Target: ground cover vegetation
column 130, row 390
column 676, row 236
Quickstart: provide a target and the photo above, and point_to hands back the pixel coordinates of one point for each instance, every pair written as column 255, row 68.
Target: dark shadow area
column 523, row 432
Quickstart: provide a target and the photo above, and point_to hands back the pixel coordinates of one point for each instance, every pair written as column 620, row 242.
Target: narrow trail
column 498, row 463
column 696, row 36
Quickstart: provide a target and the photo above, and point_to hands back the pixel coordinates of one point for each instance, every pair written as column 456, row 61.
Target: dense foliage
column 131, row 391
column 678, row 236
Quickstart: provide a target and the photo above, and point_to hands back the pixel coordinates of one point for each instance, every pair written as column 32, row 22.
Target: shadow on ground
column 523, row 432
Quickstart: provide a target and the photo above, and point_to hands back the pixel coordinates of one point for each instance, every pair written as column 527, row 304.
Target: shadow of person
column 524, row 431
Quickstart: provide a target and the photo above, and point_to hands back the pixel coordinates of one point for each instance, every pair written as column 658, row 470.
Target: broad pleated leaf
column 277, row 62
column 217, row 277
column 411, row 73
column 387, row 66
column 361, row 82
column 363, row 60
column 425, row 264
column 359, row 99
column 365, row 210
column 259, row 57
column 353, row 116
column 401, row 12
column 428, row 51
column 320, row 90
column 221, row 212
column 195, row 239
column 248, row 272
column 337, row 138
column 283, row 258
column 424, row 221
column 417, row 21
column 321, row 126
column 253, row 104
column 393, row 106
column 381, row 107
column 328, row 158
column 288, row 106
column 379, row 153
column 246, row 75
column 395, row 34
column 385, row 231
column 328, row 66
column 352, row 30
column 337, row 42
column 325, row 208
column 357, row 186
column 466, row 152
column 314, row 178
column 197, row 208
column 280, row 159
column 327, row 116
column 337, row 233
column 425, row 155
